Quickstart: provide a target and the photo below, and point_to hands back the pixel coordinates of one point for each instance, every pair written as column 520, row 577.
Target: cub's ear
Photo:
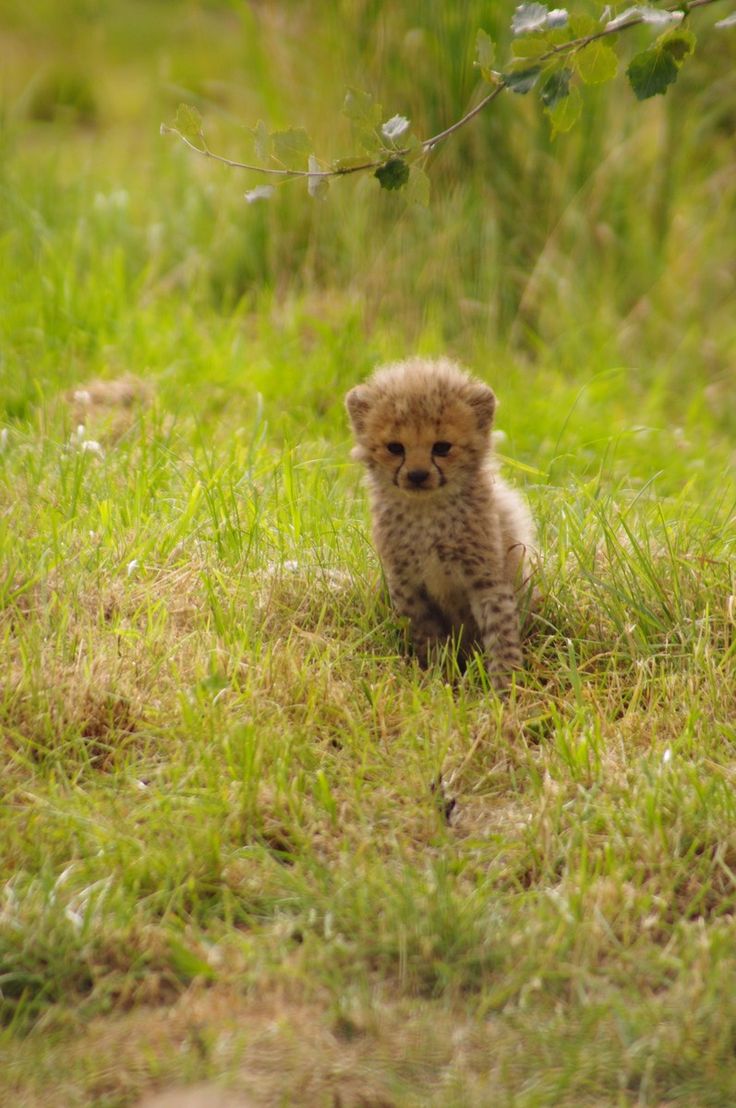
column 483, row 402
column 358, row 403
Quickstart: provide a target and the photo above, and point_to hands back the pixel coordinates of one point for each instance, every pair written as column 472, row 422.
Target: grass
column 225, row 856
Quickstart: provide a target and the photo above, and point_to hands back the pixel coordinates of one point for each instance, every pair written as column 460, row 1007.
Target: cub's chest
column 424, row 551
column 443, row 579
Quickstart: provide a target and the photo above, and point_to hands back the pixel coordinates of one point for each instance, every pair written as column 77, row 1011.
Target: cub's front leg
column 494, row 609
column 427, row 621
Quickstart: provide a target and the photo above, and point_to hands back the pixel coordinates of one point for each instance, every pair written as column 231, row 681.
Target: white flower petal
column 395, row 127
column 646, row 15
column 89, row 446
column 262, row 192
column 528, row 17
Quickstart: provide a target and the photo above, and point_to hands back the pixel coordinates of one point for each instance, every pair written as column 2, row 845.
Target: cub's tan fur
column 453, row 538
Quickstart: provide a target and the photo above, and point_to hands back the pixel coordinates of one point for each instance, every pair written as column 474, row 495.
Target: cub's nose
column 417, row 476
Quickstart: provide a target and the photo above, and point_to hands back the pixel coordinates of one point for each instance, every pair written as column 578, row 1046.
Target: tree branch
column 427, row 145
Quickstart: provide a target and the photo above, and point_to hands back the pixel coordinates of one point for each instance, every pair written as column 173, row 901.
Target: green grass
column 224, row 853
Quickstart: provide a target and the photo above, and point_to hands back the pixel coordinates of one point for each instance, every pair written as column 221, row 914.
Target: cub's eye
column 442, row 449
column 395, row 448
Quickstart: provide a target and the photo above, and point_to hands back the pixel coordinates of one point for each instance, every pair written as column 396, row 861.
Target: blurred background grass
column 611, row 246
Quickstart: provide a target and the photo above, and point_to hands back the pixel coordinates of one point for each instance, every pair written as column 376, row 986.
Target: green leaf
column 187, row 964
column 365, row 115
column 556, row 87
column 394, row 174
column 417, row 190
column 564, row 113
column 188, row 122
column 485, row 53
column 212, row 683
column 651, row 72
column 678, row 43
column 522, row 80
column 261, row 141
column 582, row 25
column 292, row 147
column 556, row 36
column 360, row 107
column 595, row 63
column 530, row 46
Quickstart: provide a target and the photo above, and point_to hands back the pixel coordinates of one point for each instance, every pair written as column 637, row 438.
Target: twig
column 205, row 151
column 429, row 144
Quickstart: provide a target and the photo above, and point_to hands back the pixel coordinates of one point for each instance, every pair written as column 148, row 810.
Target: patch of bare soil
column 198, row 1096
column 108, row 407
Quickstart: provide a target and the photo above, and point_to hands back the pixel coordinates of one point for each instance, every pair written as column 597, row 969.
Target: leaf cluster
column 557, row 53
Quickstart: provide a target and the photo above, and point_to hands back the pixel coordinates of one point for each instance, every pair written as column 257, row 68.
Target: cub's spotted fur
column 453, row 538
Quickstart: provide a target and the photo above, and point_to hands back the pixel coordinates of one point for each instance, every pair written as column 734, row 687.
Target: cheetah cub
column 453, row 538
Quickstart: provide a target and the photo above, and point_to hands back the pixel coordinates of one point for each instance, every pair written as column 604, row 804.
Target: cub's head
column 421, row 425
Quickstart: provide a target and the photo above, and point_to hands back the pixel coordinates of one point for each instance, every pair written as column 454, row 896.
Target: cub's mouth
column 417, row 490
